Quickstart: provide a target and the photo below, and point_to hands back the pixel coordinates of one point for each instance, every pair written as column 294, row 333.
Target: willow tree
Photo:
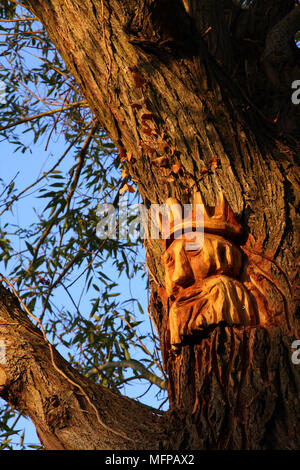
column 195, row 95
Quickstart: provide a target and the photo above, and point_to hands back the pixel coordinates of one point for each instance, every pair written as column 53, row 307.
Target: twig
column 139, row 340
column 96, row 254
column 20, row 4
column 14, row 20
column 47, row 113
column 82, row 155
column 23, row 32
column 8, row 185
column 135, row 365
column 15, row 2
column 66, row 75
column 48, row 172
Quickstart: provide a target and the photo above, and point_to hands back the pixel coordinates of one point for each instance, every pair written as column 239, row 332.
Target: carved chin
column 218, row 299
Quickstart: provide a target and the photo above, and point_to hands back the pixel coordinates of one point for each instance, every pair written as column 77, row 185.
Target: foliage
column 61, row 270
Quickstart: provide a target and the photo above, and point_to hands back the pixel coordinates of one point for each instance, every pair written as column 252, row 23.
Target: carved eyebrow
column 194, row 252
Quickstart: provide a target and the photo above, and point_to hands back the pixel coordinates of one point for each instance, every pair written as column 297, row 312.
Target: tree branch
column 135, row 365
column 68, row 411
column 46, row 113
column 16, row 20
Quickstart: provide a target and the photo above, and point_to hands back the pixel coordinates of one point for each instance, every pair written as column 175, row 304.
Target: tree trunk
column 189, row 94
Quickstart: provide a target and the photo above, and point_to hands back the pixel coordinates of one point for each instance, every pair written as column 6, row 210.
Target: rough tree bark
column 200, row 84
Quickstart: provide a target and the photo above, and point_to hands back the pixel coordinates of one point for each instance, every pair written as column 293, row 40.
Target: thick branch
column 68, row 411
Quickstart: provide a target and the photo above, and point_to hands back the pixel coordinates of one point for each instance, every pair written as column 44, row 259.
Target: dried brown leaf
column 128, row 188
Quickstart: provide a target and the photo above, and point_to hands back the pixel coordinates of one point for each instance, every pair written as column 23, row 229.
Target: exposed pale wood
column 201, row 284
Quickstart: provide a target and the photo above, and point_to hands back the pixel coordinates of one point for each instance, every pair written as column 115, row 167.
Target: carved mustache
column 218, row 299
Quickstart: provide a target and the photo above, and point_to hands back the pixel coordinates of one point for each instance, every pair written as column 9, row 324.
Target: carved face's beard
column 219, row 299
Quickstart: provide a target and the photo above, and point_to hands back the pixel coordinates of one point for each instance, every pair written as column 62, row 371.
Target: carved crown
column 219, row 220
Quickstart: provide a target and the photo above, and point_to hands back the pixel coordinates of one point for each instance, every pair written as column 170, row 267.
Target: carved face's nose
column 182, row 275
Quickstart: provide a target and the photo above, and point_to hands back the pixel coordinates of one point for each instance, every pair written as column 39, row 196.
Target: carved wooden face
column 202, row 287
column 184, row 267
